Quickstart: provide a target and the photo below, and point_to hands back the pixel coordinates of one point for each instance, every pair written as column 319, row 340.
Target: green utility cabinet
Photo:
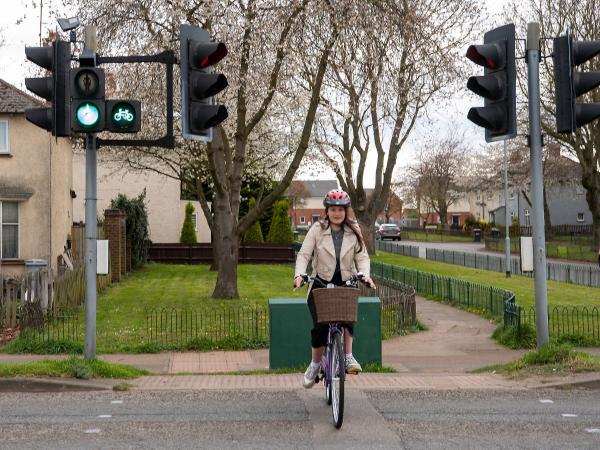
column 290, row 325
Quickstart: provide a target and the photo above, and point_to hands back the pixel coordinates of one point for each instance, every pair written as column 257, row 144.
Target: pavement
column 440, row 358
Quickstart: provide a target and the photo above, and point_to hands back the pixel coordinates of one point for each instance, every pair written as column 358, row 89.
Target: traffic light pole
column 91, row 227
column 537, row 183
column 91, row 236
column 506, row 217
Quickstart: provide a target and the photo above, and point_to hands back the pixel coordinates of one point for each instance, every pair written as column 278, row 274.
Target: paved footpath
column 455, row 343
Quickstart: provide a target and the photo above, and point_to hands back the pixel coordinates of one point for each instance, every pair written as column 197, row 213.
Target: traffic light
column 570, row 84
column 87, row 102
column 123, row 116
column 198, row 53
column 54, row 88
column 498, row 84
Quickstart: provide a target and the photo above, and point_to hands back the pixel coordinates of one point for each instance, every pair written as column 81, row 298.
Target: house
column 479, row 203
column 166, row 209
column 306, row 200
column 35, row 186
column 565, row 195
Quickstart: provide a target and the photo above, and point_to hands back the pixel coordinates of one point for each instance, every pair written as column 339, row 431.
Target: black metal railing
column 175, row 326
column 485, row 299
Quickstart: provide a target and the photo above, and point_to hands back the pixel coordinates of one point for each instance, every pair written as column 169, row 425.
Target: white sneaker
column 310, row 375
column 352, row 365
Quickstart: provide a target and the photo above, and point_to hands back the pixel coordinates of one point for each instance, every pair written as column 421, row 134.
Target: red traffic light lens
column 486, row 55
column 217, row 54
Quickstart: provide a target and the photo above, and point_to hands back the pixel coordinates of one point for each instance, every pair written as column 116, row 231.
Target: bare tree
column 582, row 19
column 437, row 174
column 272, row 111
column 387, row 68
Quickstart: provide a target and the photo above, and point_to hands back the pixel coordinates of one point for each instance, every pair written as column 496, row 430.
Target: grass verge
column 73, row 367
column 559, row 359
column 559, row 294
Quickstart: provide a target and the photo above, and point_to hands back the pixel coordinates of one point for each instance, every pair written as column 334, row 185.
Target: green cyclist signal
column 88, row 115
column 123, row 115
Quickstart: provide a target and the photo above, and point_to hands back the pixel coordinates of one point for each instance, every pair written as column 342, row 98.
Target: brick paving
column 365, row 381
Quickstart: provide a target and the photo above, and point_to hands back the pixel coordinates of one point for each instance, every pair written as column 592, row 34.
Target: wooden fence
column 29, row 299
column 202, row 253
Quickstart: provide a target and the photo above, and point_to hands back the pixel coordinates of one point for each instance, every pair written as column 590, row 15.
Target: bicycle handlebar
column 352, row 282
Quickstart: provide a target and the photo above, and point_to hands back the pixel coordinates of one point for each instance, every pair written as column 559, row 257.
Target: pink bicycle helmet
column 336, row 198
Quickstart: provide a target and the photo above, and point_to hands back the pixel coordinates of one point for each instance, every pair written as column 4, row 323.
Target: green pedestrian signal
column 123, row 116
column 87, row 115
column 87, row 103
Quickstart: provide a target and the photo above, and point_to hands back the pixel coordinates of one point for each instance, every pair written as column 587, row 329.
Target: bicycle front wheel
column 338, row 374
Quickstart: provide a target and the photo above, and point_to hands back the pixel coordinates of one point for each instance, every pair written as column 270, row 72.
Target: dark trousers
column 318, row 335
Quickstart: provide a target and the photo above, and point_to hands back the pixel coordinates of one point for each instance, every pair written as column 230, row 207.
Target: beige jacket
column 318, row 245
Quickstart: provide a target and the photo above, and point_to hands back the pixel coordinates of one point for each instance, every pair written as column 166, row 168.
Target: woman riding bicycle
column 337, row 249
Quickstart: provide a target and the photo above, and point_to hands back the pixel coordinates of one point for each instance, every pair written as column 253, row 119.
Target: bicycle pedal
column 317, row 379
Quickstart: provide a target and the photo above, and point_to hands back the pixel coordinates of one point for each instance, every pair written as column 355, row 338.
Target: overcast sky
column 20, row 26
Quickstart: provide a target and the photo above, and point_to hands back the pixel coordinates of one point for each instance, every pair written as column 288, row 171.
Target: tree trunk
column 368, row 235
column 593, row 199
column 443, row 215
column 226, row 245
column 547, row 221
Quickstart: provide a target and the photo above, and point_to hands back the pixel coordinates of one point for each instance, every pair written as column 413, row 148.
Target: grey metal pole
column 91, row 235
column 537, row 183
column 506, row 217
column 91, row 227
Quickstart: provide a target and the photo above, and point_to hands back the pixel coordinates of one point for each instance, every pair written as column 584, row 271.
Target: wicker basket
column 336, row 304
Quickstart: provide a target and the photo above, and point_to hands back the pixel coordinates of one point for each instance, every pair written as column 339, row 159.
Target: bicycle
column 335, row 307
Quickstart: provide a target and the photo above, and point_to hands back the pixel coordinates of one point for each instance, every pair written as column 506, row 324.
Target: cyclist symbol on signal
column 123, row 114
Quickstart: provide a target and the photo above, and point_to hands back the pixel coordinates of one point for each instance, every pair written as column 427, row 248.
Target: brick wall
column 114, row 232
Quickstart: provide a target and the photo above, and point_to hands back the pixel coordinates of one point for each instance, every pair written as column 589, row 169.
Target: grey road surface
column 549, row 419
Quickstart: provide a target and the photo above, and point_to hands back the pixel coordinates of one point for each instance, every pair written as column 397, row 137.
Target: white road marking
column 569, row 415
column 546, row 400
column 92, row 430
column 593, row 430
column 116, row 402
column 104, row 416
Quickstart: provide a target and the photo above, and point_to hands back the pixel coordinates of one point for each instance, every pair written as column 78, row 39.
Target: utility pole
column 506, row 217
column 91, row 224
column 537, row 183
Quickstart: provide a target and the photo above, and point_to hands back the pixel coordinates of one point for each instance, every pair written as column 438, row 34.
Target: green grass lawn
column 121, row 310
column 523, row 287
column 559, row 247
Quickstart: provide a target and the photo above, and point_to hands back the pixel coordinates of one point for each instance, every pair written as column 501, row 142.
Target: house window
column 195, row 220
column 4, row 136
column 527, row 218
column 9, row 231
column 315, row 218
column 580, row 217
column 302, row 219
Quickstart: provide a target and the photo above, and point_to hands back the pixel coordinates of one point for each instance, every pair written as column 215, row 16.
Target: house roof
column 315, row 188
column 14, row 100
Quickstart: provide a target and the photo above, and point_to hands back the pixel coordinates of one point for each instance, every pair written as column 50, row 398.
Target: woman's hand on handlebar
column 369, row 282
column 298, row 281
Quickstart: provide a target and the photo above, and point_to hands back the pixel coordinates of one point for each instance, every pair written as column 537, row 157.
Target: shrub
column 281, row 230
column 254, row 233
column 188, row 231
column 470, row 222
column 137, row 225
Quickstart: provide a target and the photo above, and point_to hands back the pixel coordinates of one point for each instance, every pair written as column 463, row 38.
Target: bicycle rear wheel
column 338, row 374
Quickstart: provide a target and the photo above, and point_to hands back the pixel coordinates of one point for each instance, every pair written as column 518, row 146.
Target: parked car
column 388, row 231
